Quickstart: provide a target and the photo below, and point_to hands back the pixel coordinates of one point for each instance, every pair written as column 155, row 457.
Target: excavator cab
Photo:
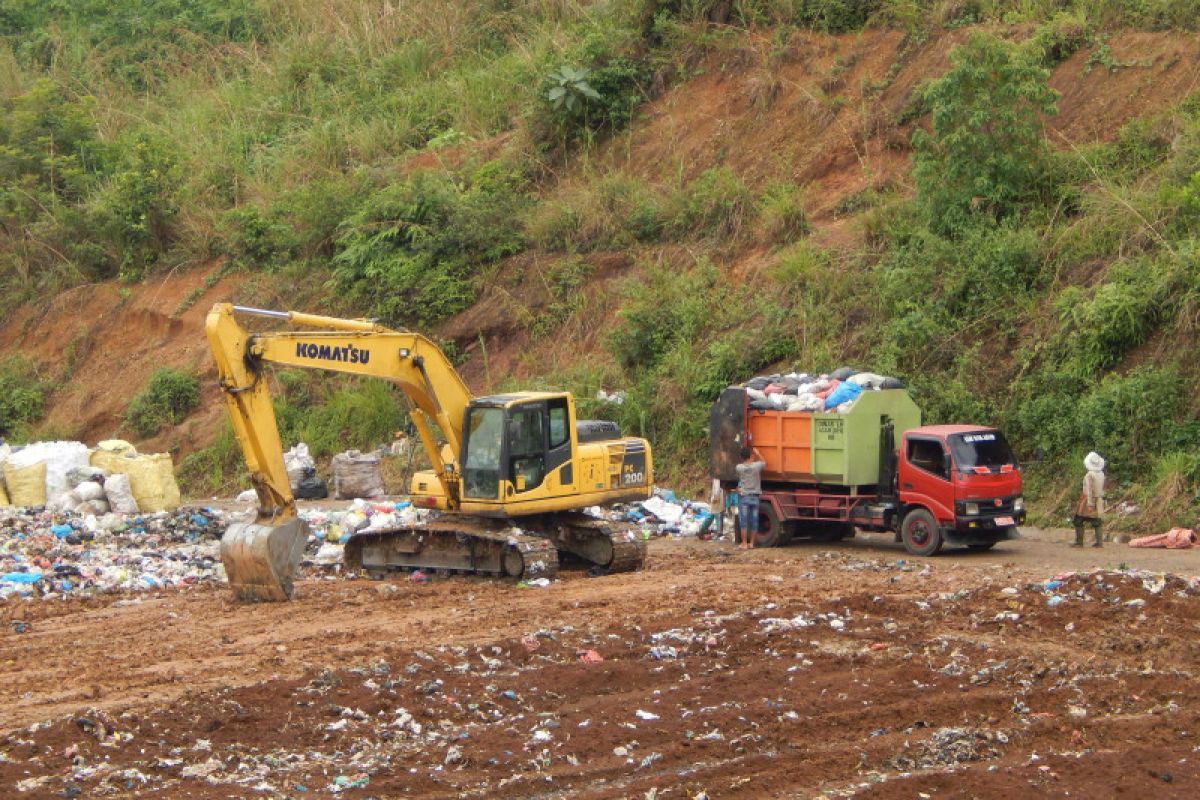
column 513, row 443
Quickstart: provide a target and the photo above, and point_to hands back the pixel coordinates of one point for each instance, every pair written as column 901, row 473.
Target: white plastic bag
column 119, row 495
column 88, row 490
column 296, row 461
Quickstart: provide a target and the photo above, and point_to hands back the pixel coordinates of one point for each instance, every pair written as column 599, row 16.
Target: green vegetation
column 169, row 397
column 405, row 156
column 986, row 155
column 22, row 397
column 331, row 413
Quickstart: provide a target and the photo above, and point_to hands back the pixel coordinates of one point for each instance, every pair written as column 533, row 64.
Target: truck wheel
column 979, row 548
column 770, row 530
column 920, row 533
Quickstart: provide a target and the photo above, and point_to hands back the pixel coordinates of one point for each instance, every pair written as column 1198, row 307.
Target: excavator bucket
column 260, row 560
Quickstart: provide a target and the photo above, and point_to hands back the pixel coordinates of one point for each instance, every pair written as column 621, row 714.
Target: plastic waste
column 844, row 393
column 59, row 458
column 310, row 486
column 26, row 484
column 119, row 495
column 356, row 475
column 21, row 577
column 297, row 461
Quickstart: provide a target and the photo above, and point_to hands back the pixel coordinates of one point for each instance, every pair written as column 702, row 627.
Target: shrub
column 599, row 88
column 600, row 211
column 565, row 281
column 411, row 250
column 986, row 151
column 255, row 239
column 836, row 16
column 216, row 469
column 22, row 396
column 135, row 205
column 1058, row 38
column 1128, row 418
column 1099, row 326
column 167, row 399
column 665, row 308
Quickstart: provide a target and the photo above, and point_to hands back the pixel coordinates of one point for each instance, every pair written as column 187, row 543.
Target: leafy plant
column 985, row 154
column 569, row 90
column 169, row 397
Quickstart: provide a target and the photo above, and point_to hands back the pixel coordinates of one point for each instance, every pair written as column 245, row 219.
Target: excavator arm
column 261, row 557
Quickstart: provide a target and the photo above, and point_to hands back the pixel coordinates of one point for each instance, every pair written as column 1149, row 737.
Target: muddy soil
column 806, row 671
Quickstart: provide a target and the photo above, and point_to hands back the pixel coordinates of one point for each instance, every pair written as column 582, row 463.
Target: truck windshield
column 981, row 451
column 481, row 464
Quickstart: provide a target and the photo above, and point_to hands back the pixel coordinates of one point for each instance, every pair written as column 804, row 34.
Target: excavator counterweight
column 510, row 473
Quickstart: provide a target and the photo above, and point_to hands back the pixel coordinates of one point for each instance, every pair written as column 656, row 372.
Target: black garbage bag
column 842, row 373
column 311, row 487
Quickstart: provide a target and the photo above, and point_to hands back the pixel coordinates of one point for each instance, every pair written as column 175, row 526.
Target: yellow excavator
column 509, row 486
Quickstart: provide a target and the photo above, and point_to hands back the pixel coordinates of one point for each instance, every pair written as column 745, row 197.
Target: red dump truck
column 873, row 468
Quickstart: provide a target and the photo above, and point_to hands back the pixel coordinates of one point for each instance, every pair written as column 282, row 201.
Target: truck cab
column 957, row 483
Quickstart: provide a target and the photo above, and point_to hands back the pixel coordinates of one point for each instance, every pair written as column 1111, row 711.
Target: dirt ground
column 807, row 671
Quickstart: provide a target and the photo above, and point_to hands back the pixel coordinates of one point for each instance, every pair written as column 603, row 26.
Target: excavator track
column 479, row 545
column 453, row 545
column 610, row 548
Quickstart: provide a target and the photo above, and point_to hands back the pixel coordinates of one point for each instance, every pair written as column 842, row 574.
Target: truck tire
column 920, row 533
column 770, row 530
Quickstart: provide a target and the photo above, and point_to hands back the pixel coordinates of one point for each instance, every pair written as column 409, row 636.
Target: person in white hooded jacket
column 1090, row 508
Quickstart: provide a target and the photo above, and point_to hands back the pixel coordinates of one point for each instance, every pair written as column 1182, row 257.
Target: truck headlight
column 1019, row 504
column 971, row 509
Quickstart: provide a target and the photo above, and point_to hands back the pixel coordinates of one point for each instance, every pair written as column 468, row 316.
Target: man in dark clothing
column 749, row 489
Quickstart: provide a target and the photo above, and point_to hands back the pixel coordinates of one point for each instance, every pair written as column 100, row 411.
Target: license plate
column 1005, row 521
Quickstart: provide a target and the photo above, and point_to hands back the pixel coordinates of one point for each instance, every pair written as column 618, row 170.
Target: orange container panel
column 785, row 441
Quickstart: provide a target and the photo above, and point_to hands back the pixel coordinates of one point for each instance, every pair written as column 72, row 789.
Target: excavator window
column 560, row 430
column 481, row 472
column 527, row 445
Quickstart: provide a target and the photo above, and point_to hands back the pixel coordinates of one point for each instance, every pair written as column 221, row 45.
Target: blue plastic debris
column 21, row 577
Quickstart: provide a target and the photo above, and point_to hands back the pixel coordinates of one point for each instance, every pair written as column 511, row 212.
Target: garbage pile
column 47, row 554
column 69, row 476
column 662, row 515
column 332, row 529
column 800, row 391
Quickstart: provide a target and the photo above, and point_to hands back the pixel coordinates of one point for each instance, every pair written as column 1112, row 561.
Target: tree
column 986, row 154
